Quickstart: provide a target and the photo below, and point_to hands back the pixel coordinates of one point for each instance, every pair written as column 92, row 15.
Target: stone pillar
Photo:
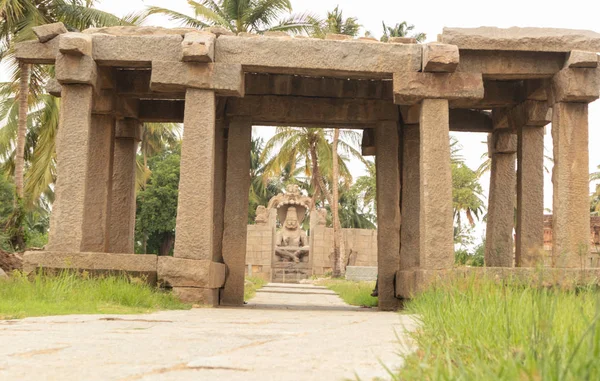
column 501, row 201
column 409, row 233
column 219, row 189
column 571, row 204
column 236, row 210
column 72, row 151
column 436, row 232
column 122, row 227
column 530, row 197
column 388, row 212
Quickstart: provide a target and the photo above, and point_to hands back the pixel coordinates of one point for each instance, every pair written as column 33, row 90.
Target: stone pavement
column 287, row 332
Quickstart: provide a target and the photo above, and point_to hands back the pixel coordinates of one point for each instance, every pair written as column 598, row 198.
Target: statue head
column 291, row 219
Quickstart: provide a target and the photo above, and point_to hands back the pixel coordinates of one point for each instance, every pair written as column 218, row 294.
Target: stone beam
column 295, row 85
column 161, row 111
column 527, row 114
column 532, row 39
column 198, row 47
column 77, row 44
column 136, row 51
column 76, row 70
column 510, row 65
column 470, row 121
column 136, row 84
column 224, row 79
column 303, row 111
column 440, row 58
column 411, row 88
column 576, row 85
column 315, row 57
column 47, row 32
column 582, row 59
column 495, row 94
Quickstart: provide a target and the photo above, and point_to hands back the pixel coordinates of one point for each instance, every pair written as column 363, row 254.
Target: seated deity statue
column 291, row 243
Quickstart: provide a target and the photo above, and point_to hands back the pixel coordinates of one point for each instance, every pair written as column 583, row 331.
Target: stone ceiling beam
column 161, row 111
column 511, row 65
column 527, row 114
column 411, row 88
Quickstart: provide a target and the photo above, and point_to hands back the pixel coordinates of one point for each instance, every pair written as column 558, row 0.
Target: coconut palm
column 366, row 186
column 250, row 16
column 595, row 198
column 402, row 29
column 336, row 24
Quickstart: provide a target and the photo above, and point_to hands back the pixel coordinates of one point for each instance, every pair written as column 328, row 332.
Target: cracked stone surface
column 287, row 332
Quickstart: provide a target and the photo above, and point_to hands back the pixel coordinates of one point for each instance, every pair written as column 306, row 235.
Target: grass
column 252, row 284
column 72, row 293
column 482, row 330
column 353, row 293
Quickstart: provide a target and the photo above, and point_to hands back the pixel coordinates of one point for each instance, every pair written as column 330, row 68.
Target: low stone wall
column 259, row 250
column 361, row 273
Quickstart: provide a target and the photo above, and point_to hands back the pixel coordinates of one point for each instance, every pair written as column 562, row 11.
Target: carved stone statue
column 291, row 244
column 262, row 215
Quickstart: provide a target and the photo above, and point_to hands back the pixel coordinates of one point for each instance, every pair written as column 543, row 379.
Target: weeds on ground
column 477, row 329
column 251, row 285
column 78, row 293
column 353, row 293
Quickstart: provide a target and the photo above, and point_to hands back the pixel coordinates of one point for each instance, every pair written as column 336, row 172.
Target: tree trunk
column 338, row 256
column 166, row 244
column 22, row 128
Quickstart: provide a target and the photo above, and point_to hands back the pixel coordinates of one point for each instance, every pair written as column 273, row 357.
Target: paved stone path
column 287, row 332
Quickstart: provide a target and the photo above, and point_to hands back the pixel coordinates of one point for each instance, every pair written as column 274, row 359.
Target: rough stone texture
column 236, row 210
column 195, row 295
column 72, row 149
column 570, row 176
column 576, row 85
column 338, row 37
column 530, row 198
column 122, row 226
column 35, row 52
column 411, row 88
column 77, row 44
column 582, row 59
column 96, row 228
column 530, row 113
column 47, row 32
column 435, row 207
column 510, row 65
column 178, row 272
column 219, row 31
column 387, row 143
column 533, row 39
column 402, row 40
column 219, row 188
column 502, row 141
column 136, row 50
column 318, row 57
column 195, row 209
column 409, row 234
column 76, row 70
column 53, row 87
column 361, row 273
column 501, row 211
column 130, row 128
column 441, row 58
column 141, row 263
column 139, row 31
column 225, row 79
column 198, row 47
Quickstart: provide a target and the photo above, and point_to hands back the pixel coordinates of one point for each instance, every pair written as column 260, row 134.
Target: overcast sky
column 430, row 17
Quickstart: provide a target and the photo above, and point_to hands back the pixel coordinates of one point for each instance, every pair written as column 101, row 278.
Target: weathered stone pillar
column 530, row 197
column 409, row 234
column 435, row 207
column 72, row 151
column 219, row 189
column 388, row 212
column 122, row 227
column 571, row 204
column 501, row 201
column 236, row 210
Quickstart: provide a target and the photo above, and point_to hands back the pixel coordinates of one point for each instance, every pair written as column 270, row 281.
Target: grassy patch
column 481, row 330
column 252, row 284
column 71, row 293
column 353, row 293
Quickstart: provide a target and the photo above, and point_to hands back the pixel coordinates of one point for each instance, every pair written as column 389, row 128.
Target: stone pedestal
column 388, row 212
column 236, row 211
column 435, row 207
column 530, row 197
column 571, row 204
column 409, row 234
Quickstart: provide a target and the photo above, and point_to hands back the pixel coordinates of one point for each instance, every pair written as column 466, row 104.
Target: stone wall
column 259, row 250
column 594, row 256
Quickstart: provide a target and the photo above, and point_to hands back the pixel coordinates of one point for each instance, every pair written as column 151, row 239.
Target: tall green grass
column 353, row 293
column 482, row 330
column 72, row 293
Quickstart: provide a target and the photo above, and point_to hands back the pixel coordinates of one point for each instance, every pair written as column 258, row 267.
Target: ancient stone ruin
column 407, row 97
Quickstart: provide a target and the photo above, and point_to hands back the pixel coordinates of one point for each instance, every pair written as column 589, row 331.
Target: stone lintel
column 129, row 128
column 411, row 114
column 496, row 94
column 440, row 58
column 76, row 44
column 180, row 272
column 35, row 52
column 519, row 39
column 136, row 51
column 502, row 141
column 128, row 108
column 582, row 59
column 315, row 57
column 76, row 70
column 402, row 40
column 527, row 114
column 161, row 111
column 198, row 47
column 224, row 79
column 47, row 32
column 498, row 65
column 104, row 102
column 470, row 120
column 576, row 85
column 411, row 88
column 53, row 87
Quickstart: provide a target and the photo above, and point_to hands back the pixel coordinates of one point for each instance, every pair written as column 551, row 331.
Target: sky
column 430, row 17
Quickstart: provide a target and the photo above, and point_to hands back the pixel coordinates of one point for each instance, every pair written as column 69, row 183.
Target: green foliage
column 463, row 257
column 353, row 293
column 335, row 23
column 72, row 293
column 402, row 29
column 157, row 205
column 466, row 193
column 251, row 285
column 482, row 330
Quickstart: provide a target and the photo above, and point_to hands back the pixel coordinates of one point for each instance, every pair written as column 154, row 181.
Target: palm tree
column 595, row 198
column 239, row 16
column 336, row 24
column 366, row 186
column 401, row 30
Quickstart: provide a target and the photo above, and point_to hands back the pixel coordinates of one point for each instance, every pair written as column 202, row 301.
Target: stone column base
column 198, row 295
